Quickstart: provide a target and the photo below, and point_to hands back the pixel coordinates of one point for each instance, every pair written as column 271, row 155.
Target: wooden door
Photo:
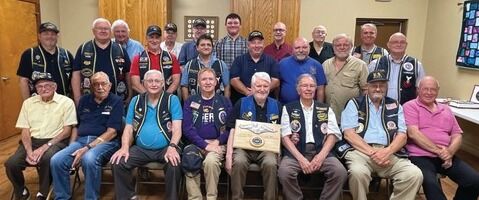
column 386, row 27
column 18, row 30
column 262, row 15
column 139, row 14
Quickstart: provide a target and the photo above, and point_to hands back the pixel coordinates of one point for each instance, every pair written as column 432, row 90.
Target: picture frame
column 475, row 94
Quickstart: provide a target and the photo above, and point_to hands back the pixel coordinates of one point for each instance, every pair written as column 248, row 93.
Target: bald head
column 397, row 35
column 429, row 80
column 279, row 32
column 428, row 91
column 397, row 45
column 300, row 48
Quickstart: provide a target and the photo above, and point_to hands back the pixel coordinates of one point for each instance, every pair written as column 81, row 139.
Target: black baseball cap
column 48, row 26
column 153, row 29
column 199, row 22
column 42, row 76
column 377, row 75
column 171, row 27
column 255, row 34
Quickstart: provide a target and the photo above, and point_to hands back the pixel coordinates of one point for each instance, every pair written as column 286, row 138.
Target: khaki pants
column 407, row 178
column 212, row 169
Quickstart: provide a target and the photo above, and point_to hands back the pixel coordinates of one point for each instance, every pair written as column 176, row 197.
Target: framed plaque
column 257, row 136
column 475, row 94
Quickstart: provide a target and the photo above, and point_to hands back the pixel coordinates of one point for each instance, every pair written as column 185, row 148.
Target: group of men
column 340, row 110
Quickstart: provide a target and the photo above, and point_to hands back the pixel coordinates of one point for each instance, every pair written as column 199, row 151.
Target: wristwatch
column 49, row 144
column 174, row 145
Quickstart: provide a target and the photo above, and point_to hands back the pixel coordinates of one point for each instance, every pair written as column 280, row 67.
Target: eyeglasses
column 102, row 84
column 150, row 81
column 102, row 28
column 319, row 32
column 47, row 86
column 278, row 30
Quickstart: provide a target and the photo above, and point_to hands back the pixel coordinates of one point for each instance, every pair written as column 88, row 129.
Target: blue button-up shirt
column 375, row 132
column 188, row 52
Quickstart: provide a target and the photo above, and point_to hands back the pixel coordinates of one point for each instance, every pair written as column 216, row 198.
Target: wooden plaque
column 257, row 136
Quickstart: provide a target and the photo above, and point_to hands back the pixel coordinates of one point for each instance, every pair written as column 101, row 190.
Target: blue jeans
column 91, row 164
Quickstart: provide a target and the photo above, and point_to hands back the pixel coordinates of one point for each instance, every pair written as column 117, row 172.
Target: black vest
column 163, row 115
column 377, row 52
column 219, row 112
column 389, row 112
column 39, row 65
column 407, row 76
column 88, row 68
column 298, row 125
column 193, row 67
column 166, row 66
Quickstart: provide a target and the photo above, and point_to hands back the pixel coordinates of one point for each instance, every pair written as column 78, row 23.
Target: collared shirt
column 132, row 47
column 366, row 54
column 95, row 118
column 326, row 52
column 438, row 126
column 150, row 135
column 289, row 71
column 225, row 76
column 308, row 118
column 227, row 49
column 154, row 64
column 283, row 51
column 393, row 86
column 375, row 132
column 188, row 51
column 260, row 113
column 46, row 119
column 176, row 49
column 345, row 83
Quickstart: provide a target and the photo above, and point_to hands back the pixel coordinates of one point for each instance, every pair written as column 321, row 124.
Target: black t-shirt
column 326, row 53
column 25, row 68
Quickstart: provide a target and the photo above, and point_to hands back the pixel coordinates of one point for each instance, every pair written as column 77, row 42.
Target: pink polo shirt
column 438, row 126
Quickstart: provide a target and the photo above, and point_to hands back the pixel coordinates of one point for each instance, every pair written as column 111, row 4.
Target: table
column 471, row 115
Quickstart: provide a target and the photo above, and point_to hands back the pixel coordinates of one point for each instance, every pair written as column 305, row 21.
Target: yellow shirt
column 345, row 83
column 46, row 119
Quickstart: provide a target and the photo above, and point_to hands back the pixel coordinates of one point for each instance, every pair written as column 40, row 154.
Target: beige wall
column 440, row 47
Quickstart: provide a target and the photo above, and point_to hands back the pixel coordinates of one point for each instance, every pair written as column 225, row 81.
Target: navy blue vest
column 298, row 125
column 193, row 67
column 39, row 65
column 166, row 66
column 88, row 68
column 377, row 53
column 219, row 112
column 407, row 76
column 390, row 109
column 248, row 110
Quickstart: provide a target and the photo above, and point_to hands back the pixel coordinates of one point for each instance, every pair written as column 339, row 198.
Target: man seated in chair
column 435, row 137
column 93, row 141
column 204, row 125
column 152, row 134
column 46, row 121
column 309, row 131
column 375, row 134
column 256, row 107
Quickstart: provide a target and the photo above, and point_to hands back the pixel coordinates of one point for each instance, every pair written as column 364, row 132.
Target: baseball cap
column 48, row 26
column 199, row 22
column 377, row 75
column 255, row 34
column 42, row 76
column 153, row 29
column 171, row 27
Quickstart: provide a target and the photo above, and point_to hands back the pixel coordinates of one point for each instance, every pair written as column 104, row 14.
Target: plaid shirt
column 227, row 49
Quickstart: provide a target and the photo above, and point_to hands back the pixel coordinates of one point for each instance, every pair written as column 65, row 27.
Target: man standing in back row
column 368, row 50
column 233, row 44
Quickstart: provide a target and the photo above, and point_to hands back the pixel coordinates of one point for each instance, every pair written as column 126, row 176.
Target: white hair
column 260, row 75
column 152, row 72
column 120, row 22
column 342, row 36
column 369, row 25
column 98, row 20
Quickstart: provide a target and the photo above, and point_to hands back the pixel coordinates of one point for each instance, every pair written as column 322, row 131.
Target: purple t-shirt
column 437, row 126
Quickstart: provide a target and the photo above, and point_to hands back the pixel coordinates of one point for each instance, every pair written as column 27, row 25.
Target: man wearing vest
column 101, row 54
column 403, row 72
column 204, row 125
column 155, row 58
column 46, row 121
column 121, row 32
column 435, row 137
column 188, row 50
column 189, row 78
column 47, row 57
column 152, row 134
column 309, row 131
column 368, row 51
column 255, row 107
column 375, row 134
column 100, row 117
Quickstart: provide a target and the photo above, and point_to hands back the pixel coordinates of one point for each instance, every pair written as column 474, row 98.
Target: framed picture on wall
column 475, row 94
column 211, row 26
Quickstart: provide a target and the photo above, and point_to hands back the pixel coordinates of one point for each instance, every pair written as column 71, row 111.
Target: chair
column 157, row 166
column 49, row 195
column 255, row 168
